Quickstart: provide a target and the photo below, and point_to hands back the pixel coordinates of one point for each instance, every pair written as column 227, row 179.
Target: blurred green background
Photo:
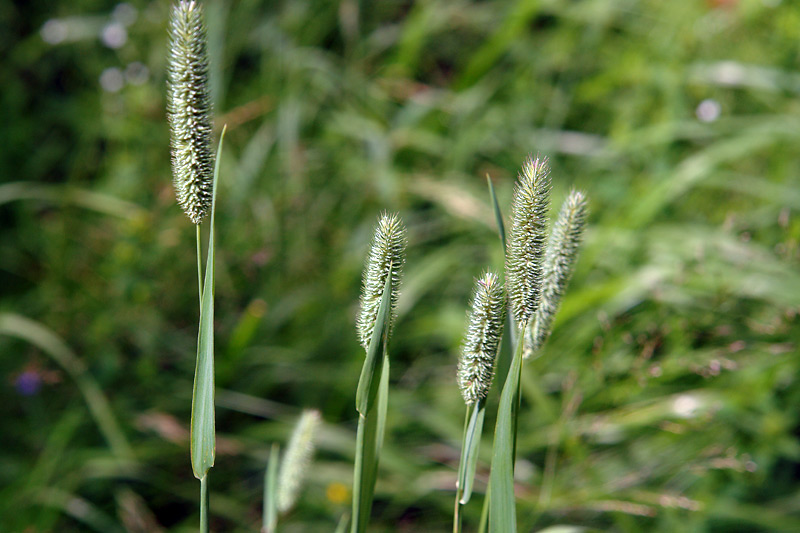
column 667, row 398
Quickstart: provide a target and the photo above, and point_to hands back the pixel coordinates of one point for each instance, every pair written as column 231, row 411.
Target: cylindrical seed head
column 484, row 330
column 296, row 459
column 386, row 257
column 189, row 110
column 526, row 242
column 559, row 263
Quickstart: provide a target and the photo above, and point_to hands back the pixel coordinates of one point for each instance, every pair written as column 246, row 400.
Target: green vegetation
column 666, row 398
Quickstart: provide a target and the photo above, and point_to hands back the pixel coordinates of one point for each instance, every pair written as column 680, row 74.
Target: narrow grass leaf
column 470, row 448
column 270, row 512
column 498, row 215
column 502, row 508
column 371, row 429
column 203, row 444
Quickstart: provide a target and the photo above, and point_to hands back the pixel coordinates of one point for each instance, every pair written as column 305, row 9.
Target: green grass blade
column 469, row 450
column 270, row 516
column 367, row 383
column 498, row 215
column 502, row 508
column 371, row 430
column 203, row 444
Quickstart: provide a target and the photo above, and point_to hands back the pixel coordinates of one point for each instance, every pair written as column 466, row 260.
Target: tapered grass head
column 296, row 460
column 559, row 263
column 526, row 240
column 484, row 330
column 189, row 110
column 386, row 257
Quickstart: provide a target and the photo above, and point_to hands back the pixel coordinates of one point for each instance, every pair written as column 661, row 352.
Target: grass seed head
column 526, row 242
column 296, row 460
column 189, row 110
column 559, row 263
column 484, row 330
column 386, row 257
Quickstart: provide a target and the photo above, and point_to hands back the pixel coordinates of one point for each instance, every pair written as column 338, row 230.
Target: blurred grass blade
column 469, row 450
column 270, row 516
column 35, row 333
column 341, row 527
column 203, row 444
column 65, row 195
column 367, row 383
column 498, row 215
column 502, row 507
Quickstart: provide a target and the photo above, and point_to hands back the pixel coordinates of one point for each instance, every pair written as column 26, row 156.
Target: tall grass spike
column 484, row 329
column 559, row 263
column 297, row 459
column 526, row 241
column 386, row 257
column 189, row 110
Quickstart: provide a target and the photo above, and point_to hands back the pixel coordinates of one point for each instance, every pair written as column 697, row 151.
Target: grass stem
column 204, row 504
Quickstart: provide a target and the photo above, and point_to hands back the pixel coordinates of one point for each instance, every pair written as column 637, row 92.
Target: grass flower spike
column 296, row 460
column 189, row 110
column 484, row 329
column 526, row 242
column 559, row 263
column 386, row 257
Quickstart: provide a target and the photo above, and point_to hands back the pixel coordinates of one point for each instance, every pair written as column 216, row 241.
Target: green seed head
column 526, row 242
column 189, row 110
column 296, row 460
column 559, row 263
column 484, row 329
column 386, row 257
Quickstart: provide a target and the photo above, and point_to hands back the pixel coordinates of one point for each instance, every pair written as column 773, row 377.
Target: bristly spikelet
column 484, row 329
column 386, row 257
column 526, row 240
column 559, row 263
column 189, row 110
column 296, row 460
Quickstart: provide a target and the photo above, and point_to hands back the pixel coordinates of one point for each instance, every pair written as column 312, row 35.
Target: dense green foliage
column 667, row 398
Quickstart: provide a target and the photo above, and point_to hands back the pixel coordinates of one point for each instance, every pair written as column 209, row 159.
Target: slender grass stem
column 199, row 267
column 204, row 504
column 461, row 467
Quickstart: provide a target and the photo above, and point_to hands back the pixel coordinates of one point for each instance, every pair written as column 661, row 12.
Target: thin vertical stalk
column 199, row 267
column 204, row 504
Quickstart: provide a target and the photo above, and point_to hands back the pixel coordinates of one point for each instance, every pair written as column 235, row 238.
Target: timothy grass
column 665, row 398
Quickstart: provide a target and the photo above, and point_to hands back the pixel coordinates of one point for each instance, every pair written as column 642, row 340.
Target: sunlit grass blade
column 203, row 444
column 270, row 511
column 502, row 505
column 469, row 454
column 341, row 527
